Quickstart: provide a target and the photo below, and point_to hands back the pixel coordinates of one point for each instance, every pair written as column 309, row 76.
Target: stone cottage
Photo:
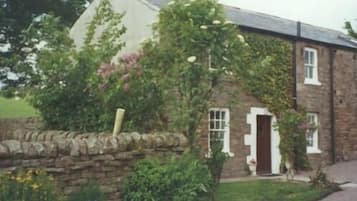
column 324, row 70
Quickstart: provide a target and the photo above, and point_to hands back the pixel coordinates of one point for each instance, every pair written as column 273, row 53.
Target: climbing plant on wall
column 268, row 77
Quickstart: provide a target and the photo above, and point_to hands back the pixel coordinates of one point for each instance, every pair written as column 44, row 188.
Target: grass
column 269, row 190
column 11, row 108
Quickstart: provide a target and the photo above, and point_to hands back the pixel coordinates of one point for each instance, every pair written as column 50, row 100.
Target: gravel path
column 342, row 173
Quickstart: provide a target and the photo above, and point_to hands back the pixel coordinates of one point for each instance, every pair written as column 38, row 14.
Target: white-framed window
column 310, row 66
column 312, row 136
column 218, row 128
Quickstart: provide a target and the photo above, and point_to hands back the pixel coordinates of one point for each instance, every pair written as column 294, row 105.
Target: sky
column 325, row 13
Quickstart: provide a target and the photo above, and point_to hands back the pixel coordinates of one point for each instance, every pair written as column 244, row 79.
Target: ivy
column 268, row 77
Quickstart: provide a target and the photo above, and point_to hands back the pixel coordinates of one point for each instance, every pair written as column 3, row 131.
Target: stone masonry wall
column 231, row 96
column 316, row 99
column 345, row 92
column 8, row 126
column 74, row 159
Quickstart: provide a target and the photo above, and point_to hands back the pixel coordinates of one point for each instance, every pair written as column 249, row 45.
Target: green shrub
column 177, row 179
column 81, row 89
column 66, row 93
column 28, row 186
column 292, row 129
column 89, row 192
column 215, row 163
column 321, row 180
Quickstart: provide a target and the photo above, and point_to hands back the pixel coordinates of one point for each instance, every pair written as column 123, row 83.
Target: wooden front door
column 263, row 144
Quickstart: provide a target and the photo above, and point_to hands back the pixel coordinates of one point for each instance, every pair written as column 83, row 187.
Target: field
column 11, row 108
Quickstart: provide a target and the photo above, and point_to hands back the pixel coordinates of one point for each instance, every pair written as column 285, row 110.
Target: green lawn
column 267, row 190
column 11, row 108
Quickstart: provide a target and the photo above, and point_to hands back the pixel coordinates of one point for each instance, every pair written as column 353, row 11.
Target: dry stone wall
column 75, row 159
column 8, row 126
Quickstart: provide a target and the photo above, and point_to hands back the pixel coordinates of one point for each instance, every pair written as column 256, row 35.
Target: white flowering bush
column 194, row 38
column 195, row 47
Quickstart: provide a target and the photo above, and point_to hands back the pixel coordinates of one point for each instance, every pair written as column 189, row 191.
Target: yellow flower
column 35, row 186
column 19, row 179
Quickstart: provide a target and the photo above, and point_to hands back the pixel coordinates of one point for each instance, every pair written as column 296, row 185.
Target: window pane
column 211, row 125
column 217, row 143
column 306, row 57
column 211, row 115
column 217, row 125
column 310, row 138
column 212, row 135
column 221, row 135
column 223, row 117
column 311, row 72
column 223, row 124
column 306, row 72
column 312, row 58
column 217, row 115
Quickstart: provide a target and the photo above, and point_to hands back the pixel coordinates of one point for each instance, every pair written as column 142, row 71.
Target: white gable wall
column 138, row 20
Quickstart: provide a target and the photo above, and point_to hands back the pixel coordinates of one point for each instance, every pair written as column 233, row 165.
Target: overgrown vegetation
column 292, row 128
column 320, row 180
column 215, row 163
column 81, row 90
column 28, row 186
column 36, row 185
column 268, row 77
column 350, row 30
column 16, row 18
column 179, row 179
column 88, row 192
column 194, row 48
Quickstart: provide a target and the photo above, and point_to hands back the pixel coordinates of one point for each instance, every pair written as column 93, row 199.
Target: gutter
column 332, row 104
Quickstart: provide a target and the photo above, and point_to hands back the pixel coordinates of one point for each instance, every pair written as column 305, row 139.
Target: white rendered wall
column 138, row 19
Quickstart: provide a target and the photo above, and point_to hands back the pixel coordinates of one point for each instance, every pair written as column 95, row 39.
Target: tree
column 195, row 47
column 350, row 30
column 67, row 92
column 16, row 17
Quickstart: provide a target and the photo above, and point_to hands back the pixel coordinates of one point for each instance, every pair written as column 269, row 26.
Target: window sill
column 312, row 82
column 313, row 151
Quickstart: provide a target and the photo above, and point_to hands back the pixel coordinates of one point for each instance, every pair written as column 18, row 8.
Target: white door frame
column 251, row 138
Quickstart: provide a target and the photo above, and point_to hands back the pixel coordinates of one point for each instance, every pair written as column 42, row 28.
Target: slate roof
column 278, row 25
